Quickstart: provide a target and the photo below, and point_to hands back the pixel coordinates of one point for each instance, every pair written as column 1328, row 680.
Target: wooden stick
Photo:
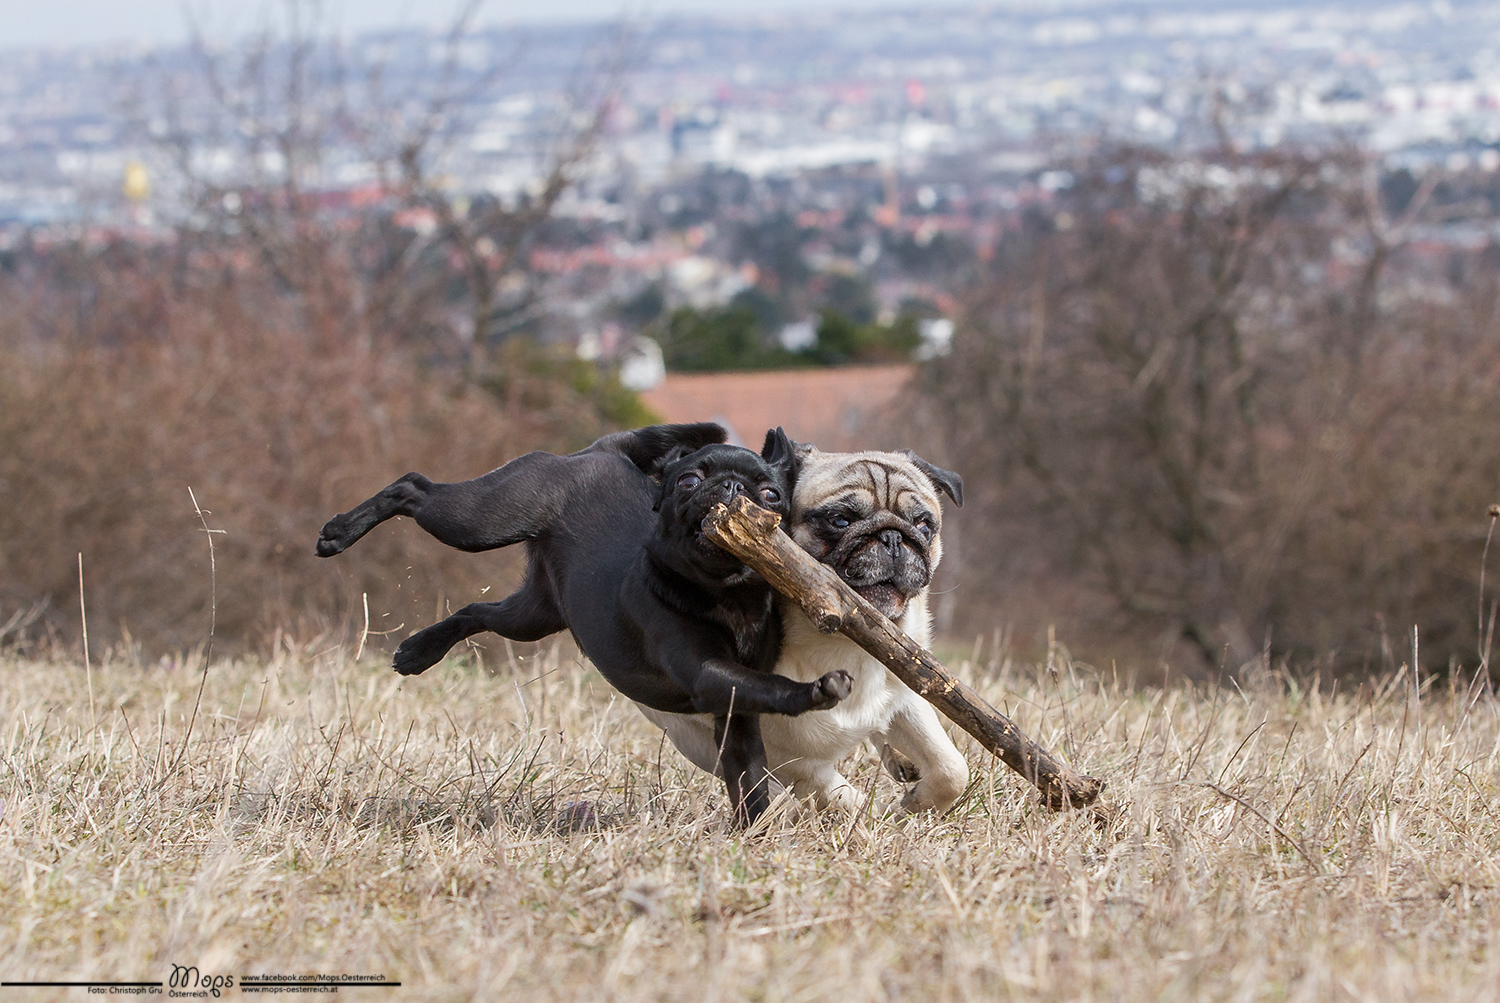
column 754, row 536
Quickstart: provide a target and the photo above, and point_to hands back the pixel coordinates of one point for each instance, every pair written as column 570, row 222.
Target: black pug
column 671, row 620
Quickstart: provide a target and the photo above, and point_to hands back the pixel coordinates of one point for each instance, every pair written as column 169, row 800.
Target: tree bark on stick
column 754, row 536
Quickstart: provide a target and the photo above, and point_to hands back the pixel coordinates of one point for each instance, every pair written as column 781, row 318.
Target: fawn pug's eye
column 689, row 481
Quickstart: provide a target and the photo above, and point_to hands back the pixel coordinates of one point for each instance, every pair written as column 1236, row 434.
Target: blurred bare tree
column 1212, row 396
column 334, row 163
column 328, row 313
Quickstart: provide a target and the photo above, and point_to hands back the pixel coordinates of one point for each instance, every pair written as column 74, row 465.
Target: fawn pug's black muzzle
column 886, row 560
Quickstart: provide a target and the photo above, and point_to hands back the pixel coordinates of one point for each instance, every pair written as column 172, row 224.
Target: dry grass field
column 506, row 828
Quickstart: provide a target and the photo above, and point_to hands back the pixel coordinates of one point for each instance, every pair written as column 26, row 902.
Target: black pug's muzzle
column 692, row 484
column 720, row 489
column 885, row 559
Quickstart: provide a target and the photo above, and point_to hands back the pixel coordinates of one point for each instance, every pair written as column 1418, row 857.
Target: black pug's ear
column 659, row 467
column 945, row 481
column 652, row 448
column 665, row 460
column 779, row 451
column 780, row 454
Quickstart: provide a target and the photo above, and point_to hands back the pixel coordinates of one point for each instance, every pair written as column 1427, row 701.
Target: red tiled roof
column 833, row 408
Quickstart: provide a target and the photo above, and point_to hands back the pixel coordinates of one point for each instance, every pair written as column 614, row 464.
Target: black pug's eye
column 770, row 496
column 688, row 482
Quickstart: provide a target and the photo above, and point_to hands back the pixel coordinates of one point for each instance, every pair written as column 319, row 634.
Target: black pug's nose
column 727, row 490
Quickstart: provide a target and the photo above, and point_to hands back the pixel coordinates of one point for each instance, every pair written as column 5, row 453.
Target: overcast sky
column 87, row 22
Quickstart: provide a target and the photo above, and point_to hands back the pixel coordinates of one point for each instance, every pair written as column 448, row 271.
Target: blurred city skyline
column 67, row 23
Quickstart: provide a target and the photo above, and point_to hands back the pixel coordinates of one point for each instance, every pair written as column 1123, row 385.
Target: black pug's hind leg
column 402, row 497
column 505, row 506
column 528, row 614
column 742, row 757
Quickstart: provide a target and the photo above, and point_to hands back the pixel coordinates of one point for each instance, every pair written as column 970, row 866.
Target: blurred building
column 836, row 409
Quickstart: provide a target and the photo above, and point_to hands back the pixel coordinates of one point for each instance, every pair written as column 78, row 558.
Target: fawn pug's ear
column 946, row 481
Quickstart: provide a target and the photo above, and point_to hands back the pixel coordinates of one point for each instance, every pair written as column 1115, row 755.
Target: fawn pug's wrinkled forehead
column 875, row 518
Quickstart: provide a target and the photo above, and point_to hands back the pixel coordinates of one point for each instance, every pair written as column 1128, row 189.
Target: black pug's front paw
column 421, row 651
column 334, row 537
column 832, row 688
